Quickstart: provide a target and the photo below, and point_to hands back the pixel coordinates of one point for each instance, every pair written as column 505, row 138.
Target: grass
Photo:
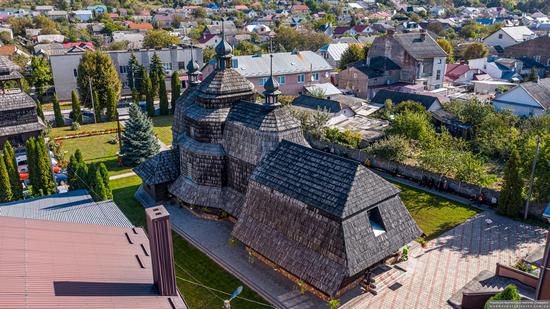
column 191, row 264
column 96, row 149
column 62, row 105
column 64, row 131
column 163, row 128
column 433, row 214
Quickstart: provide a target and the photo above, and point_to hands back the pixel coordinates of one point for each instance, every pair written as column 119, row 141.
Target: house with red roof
column 241, row 7
column 459, row 74
column 138, row 26
column 83, row 45
column 299, row 9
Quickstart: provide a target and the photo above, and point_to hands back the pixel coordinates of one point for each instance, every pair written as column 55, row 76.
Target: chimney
column 162, row 255
column 422, row 35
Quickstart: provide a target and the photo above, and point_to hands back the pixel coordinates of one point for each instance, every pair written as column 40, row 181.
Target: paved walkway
column 453, row 259
column 115, row 177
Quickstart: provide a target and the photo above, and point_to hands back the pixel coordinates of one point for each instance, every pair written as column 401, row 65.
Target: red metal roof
column 49, row 264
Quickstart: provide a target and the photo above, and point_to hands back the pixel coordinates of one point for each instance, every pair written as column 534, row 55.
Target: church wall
column 203, row 169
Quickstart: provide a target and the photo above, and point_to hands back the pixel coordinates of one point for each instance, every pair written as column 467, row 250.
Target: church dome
column 223, row 48
column 192, row 66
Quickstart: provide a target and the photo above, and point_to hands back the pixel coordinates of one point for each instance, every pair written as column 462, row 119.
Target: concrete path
column 115, row 177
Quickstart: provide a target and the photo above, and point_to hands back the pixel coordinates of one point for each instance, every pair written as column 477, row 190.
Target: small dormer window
column 376, row 222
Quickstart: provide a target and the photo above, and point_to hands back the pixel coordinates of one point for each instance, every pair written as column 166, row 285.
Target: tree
column 77, row 172
column 394, row 148
column 149, row 101
column 133, row 70
column 105, row 176
column 75, row 103
column 163, row 98
column 447, row 46
column 289, row 39
column 39, row 110
column 45, row 168
column 97, row 186
column 411, row 106
column 59, row 121
column 156, row 73
column 511, row 201
column 159, row 39
column 412, row 125
column 532, row 75
column 97, row 68
column 246, row 48
column 200, row 12
column 333, row 303
column 111, row 104
column 354, row 53
column 475, row 50
column 13, row 172
column 40, row 75
column 143, row 77
column 97, row 106
column 208, row 54
column 176, row 90
column 5, row 186
column 510, row 292
column 138, row 139
column 32, row 167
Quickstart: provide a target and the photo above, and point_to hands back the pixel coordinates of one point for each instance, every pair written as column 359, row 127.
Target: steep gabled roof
column 332, row 184
column 161, row 168
column 398, row 96
column 540, row 91
column 418, row 47
column 265, row 118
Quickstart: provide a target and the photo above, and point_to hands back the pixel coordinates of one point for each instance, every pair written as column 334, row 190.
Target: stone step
column 388, row 276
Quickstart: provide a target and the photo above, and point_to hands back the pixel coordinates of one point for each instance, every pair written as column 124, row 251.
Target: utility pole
column 118, row 131
column 531, row 180
column 92, row 96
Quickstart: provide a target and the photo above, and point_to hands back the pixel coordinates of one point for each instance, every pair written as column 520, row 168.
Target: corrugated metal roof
column 47, row 264
column 283, row 63
column 335, row 50
column 73, row 206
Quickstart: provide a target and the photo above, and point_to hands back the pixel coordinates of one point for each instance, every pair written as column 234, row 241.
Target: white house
column 83, row 15
column 333, row 52
column 508, row 36
column 527, row 99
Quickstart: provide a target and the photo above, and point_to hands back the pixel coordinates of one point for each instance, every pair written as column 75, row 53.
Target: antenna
column 223, row 29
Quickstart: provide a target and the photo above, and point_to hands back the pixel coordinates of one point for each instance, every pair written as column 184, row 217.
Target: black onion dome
column 192, row 66
column 271, row 85
column 223, row 48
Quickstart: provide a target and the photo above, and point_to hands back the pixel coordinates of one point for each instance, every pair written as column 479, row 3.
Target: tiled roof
column 73, row 206
column 454, row 71
column 330, row 183
column 161, row 168
column 419, row 48
column 518, row 33
column 8, row 69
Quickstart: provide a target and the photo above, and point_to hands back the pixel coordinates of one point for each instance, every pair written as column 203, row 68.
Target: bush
column 395, row 148
column 510, row 292
column 347, row 138
column 75, row 126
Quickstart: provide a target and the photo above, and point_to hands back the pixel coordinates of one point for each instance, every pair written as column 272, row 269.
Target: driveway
column 455, row 258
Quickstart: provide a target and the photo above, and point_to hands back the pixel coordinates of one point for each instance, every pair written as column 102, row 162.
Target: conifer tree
column 176, row 90
column 105, row 175
column 111, row 104
column 77, row 113
column 135, row 96
column 78, row 156
column 45, row 167
column 97, row 107
column 13, row 172
column 39, row 110
column 149, row 98
column 156, row 73
column 141, row 85
column 59, row 121
column 72, row 181
column 138, row 139
column 5, row 186
column 99, row 193
column 510, row 201
column 133, row 67
column 32, row 167
column 163, row 97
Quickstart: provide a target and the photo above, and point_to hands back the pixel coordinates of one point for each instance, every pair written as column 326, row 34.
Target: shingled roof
column 224, row 82
column 261, row 117
column 8, row 69
column 161, row 168
column 419, row 45
column 540, row 91
column 330, row 183
column 16, row 100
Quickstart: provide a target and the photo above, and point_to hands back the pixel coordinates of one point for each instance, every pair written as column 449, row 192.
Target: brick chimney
column 162, row 255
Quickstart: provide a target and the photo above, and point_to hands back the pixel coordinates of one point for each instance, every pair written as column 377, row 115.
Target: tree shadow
column 79, row 288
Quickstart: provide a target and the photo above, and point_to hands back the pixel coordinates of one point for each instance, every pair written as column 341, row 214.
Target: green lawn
column 64, row 131
column 434, row 215
column 163, row 128
column 96, row 149
column 62, row 105
column 191, row 264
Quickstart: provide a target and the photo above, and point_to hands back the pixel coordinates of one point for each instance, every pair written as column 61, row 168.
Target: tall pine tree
column 176, row 90
column 39, row 110
column 45, row 166
column 140, row 81
column 510, row 201
column 105, row 175
column 59, row 121
column 5, row 186
column 156, row 73
column 133, row 70
column 75, row 102
column 32, row 167
column 163, row 98
column 149, row 97
column 138, row 139
column 99, row 192
column 13, row 172
column 97, row 107
column 111, row 104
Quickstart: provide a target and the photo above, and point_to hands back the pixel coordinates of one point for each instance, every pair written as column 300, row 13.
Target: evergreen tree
column 59, row 121
column 97, row 107
column 156, row 73
column 5, row 186
column 133, row 70
column 176, row 90
column 163, row 97
column 138, row 80
column 32, row 167
column 149, row 98
column 105, row 175
column 135, row 96
column 111, row 104
column 97, row 68
column 99, row 193
column 510, row 202
column 77, row 113
column 138, row 140
column 39, row 110
column 78, row 156
column 13, row 172
column 72, row 167
column 45, row 167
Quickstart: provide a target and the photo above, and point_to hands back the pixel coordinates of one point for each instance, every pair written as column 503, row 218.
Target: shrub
column 510, row 292
column 395, row 148
column 75, row 126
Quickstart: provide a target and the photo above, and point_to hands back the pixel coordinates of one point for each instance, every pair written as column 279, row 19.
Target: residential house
column 460, row 74
column 65, row 66
column 293, row 70
column 83, row 15
column 505, row 69
column 42, row 9
column 98, row 9
column 54, row 38
column 209, row 40
column 333, row 53
column 430, row 102
column 363, row 79
column 537, row 49
column 55, row 15
column 134, row 38
column 163, row 20
column 526, row 99
column 299, row 9
column 508, row 36
column 143, row 27
column 418, row 55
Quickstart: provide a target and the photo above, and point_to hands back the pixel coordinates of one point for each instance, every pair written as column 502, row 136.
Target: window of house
column 302, row 77
column 191, row 132
column 262, row 81
column 500, row 35
column 75, row 72
column 537, row 58
column 376, row 222
column 438, row 75
column 123, row 69
column 282, row 80
column 167, row 66
column 181, row 65
column 354, row 75
column 315, row 76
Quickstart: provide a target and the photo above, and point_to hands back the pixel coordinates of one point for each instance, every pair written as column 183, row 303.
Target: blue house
column 98, row 8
